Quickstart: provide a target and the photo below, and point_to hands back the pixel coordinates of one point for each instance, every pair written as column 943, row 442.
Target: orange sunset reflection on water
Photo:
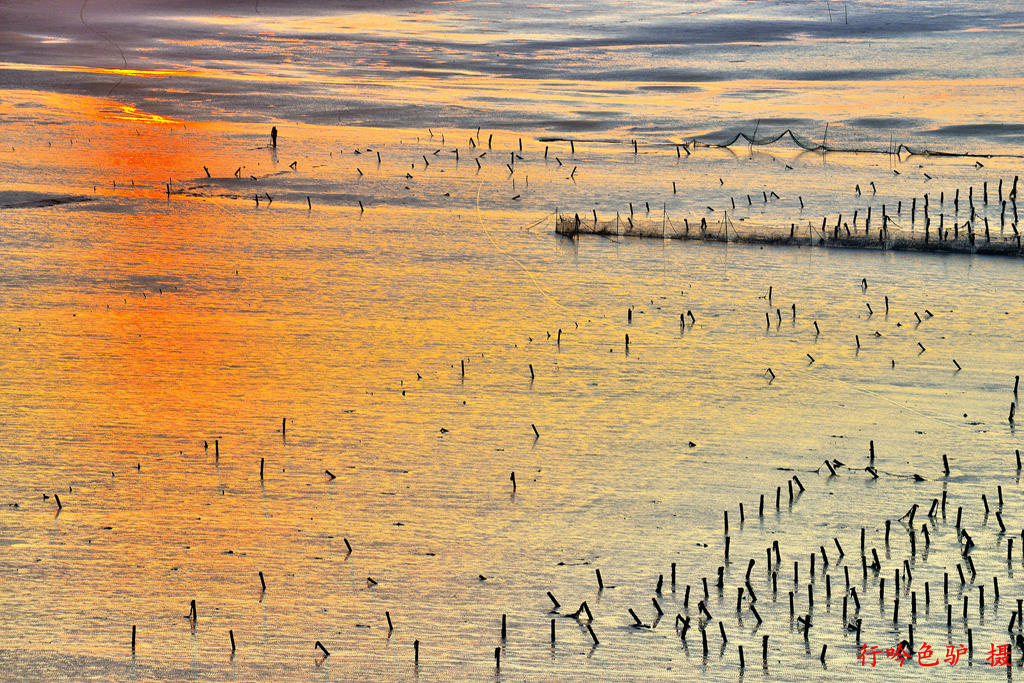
column 387, row 280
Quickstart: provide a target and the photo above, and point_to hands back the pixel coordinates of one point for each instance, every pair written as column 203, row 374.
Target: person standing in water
column 273, row 137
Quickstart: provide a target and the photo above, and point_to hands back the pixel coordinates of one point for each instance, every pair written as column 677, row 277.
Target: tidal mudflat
column 353, row 389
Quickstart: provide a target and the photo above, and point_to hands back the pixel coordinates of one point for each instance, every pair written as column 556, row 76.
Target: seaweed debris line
column 964, row 240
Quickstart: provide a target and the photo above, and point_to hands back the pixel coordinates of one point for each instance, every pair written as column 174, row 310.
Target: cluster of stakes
column 897, row 229
column 695, row 611
column 960, row 230
column 907, row 594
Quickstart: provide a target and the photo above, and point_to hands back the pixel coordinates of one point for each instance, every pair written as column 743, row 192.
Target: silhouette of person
column 273, row 137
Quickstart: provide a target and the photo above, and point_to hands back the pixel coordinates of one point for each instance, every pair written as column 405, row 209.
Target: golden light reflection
column 130, row 113
column 162, row 320
column 450, row 27
column 141, row 73
column 228, row 347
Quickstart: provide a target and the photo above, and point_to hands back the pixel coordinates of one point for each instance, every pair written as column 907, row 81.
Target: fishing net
column 954, row 238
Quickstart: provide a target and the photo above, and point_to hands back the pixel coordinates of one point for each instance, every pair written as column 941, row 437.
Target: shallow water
column 143, row 323
column 139, row 326
column 938, row 74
